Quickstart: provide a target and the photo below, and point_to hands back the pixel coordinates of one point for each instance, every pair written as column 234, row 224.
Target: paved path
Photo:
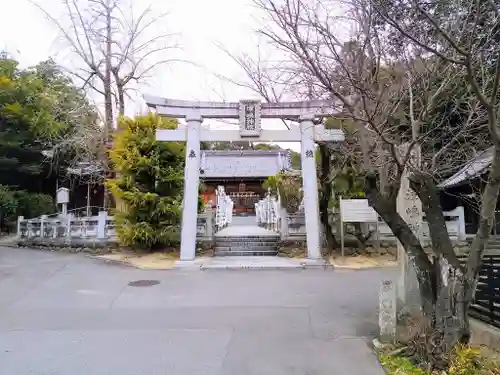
column 66, row 314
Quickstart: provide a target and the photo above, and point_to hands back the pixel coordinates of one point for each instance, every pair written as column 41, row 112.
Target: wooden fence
column 486, row 305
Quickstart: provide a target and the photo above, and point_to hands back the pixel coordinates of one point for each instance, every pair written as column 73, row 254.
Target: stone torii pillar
column 310, row 186
column 191, row 187
column 249, row 112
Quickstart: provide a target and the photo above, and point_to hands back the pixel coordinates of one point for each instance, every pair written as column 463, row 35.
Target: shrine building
column 242, row 173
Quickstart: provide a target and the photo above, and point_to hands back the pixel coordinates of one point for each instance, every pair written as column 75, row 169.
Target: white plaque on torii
column 249, row 118
column 250, row 114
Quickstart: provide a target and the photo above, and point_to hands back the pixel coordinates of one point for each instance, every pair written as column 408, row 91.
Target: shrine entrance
column 244, row 202
column 249, row 114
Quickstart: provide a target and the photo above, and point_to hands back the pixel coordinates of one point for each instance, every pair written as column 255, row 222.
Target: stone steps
column 246, row 240
column 246, row 245
column 493, row 242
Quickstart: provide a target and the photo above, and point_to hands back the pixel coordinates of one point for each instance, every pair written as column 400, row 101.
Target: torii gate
column 249, row 112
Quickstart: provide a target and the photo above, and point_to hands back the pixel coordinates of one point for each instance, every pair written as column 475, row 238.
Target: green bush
column 8, row 206
column 289, row 188
column 150, row 182
column 464, row 360
column 34, row 205
column 14, row 203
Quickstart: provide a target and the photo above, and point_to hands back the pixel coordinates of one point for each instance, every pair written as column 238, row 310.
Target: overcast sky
column 202, row 25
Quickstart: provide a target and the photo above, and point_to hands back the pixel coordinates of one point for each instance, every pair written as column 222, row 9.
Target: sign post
column 62, row 198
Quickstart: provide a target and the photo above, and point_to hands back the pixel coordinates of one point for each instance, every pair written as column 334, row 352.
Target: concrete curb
column 110, row 261
column 300, row 266
column 10, row 244
column 350, row 268
column 199, row 266
column 126, row 264
column 249, row 267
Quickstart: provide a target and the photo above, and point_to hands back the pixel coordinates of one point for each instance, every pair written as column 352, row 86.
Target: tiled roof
column 244, row 163
column 472, row 169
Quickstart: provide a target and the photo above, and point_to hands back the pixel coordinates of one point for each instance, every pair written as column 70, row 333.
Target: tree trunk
column 108, row 99
column 325, row 196
column 385, row 206
column 434, row 337
column 423, row 185
column 121, row 100
column 489, row 201
column 448, row 323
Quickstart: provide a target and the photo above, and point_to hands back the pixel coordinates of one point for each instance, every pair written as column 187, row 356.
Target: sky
column 201, row 27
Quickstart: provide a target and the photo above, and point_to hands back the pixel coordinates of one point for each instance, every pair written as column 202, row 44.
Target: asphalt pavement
column 67, row 314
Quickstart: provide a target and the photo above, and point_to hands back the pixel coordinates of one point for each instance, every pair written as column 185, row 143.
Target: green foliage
column 289, row 188
column 343, row 162
column 14, row 203
column 39, row 107
column 465, row 360
column 348, row 184
column 8, row 203
column 34, row 204
column 400, row 365
column 150, row 182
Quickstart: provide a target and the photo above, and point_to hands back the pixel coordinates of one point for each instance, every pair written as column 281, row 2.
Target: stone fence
column 68, row 229
column 293, row 226
column 78, row 231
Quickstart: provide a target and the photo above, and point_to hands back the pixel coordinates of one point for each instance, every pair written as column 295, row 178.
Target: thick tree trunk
column 489, row 201
column 108, row 100
column 325, row 196
column 434, row 337
column 425, row 188
column 450, row 323
column 453, row 284
column 385, row 206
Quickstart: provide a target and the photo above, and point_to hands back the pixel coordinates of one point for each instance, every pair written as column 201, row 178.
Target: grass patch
column 465, row 360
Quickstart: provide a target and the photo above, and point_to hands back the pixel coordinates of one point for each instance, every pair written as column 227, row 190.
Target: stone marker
column 387, row 319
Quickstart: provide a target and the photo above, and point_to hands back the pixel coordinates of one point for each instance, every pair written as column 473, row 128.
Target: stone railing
column 267, row 213
column 67, row 229
column 223, row 210
column 294, row 226
column 455, row 224
column 205, row 226
column 86, row 230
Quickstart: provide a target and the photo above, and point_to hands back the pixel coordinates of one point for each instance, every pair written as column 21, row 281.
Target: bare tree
column 115, row 50
column 395, row 95
column 114, row 47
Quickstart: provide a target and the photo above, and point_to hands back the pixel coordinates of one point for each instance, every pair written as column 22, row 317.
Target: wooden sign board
column 62, row 196
column 357, row 211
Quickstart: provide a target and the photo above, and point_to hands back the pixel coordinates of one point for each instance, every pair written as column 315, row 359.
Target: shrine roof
column 243, row 163
column 474, row 168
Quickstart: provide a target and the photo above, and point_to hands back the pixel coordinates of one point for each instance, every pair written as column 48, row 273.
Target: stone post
column 69, row 218
column 387, row 320
column 461, row 223
column 20, row 219
column 410, row 208
column 43, row 219
column 283, row 223
column 102, row 218
column 29, row 229
column 191, row 183
column 209, row 222
column 310, row 185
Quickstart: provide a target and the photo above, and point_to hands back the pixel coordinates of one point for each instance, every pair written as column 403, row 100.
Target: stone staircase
column 493, row 245
column 243, row 240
